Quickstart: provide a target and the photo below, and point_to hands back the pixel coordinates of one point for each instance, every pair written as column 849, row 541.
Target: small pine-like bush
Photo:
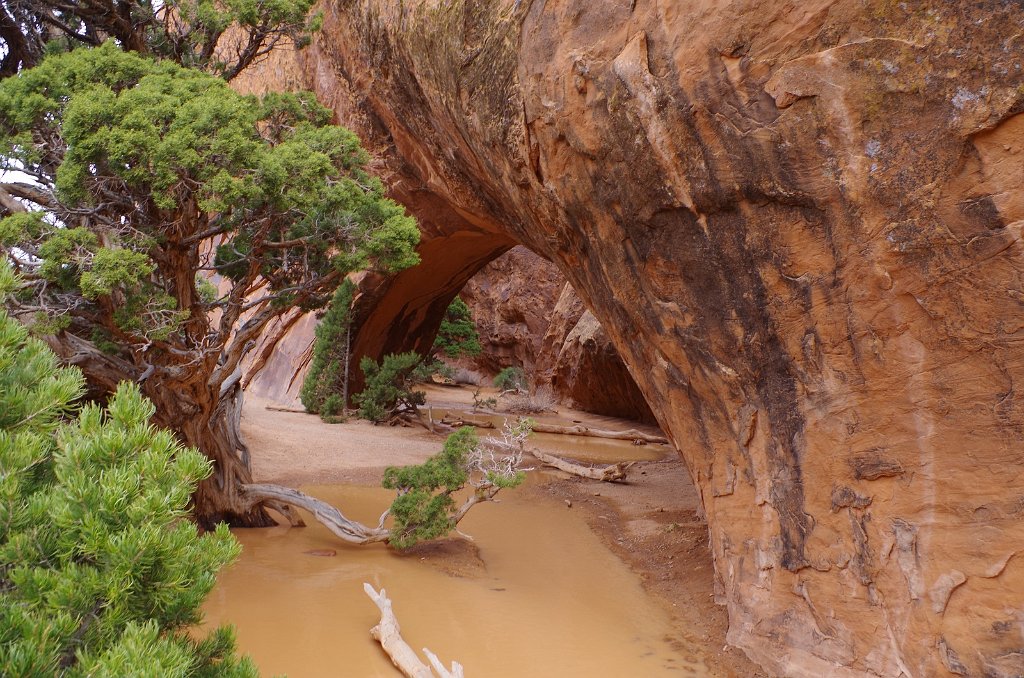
column 457, row 335
column 389, row 386
column 326, row 377
column 511, row 379
column 101, row 572
column 424, row 508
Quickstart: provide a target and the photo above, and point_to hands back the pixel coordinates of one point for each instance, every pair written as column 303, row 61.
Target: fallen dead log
column 575, row 430
column 456, row 422
column 580, row 430
column 333, row 519
column 279, row 408
column 607, row 474
column 388, row 634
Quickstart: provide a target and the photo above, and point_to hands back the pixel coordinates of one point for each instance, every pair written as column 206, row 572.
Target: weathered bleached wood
column 442, row 670
column 456, row 422
column 574, row 430
column 282, row 498
column 278, row 408
column 580, row 430
column 389, row 634
column 607, row 474
column 333, row 519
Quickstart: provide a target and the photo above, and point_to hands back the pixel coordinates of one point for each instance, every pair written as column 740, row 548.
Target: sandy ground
column 651, row 522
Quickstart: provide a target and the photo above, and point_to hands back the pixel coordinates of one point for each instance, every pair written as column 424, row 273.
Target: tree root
column 285, row 499
column 608, row 474
column 389, row 635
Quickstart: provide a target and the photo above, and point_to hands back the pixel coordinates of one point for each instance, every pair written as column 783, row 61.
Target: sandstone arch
column 800, row 224
column 403, row 313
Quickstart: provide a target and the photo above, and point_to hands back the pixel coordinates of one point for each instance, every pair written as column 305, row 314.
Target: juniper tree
column 151, row 180
column 99, row 572
column 325, row 387
column 390, row 386
column 457, row 335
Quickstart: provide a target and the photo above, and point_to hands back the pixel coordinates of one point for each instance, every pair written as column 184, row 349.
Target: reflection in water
column 550, row 600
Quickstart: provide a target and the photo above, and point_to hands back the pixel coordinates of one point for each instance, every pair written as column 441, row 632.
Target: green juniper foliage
column 389, row 386
column 511, row 379
column 457, row 335
column 424, row 508
column 326, row 378
column 222, row 37
column 158, row 159
column 100, row 572
column 154, row 181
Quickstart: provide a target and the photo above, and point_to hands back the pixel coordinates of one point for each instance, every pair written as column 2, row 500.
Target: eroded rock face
column 528, row 316
column 512, row 299
column 800, row 225
column 581, row 366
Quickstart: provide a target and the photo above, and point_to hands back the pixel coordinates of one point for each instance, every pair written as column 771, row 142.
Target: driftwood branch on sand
column 282, row 408
column 610, row 473
column 334, row 520
column 388, row 634
column 632, row 434
column 580, row 430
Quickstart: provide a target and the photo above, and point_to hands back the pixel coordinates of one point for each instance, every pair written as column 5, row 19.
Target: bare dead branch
column 389, row 634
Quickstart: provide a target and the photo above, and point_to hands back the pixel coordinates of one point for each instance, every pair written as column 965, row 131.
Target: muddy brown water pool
column 548, row 598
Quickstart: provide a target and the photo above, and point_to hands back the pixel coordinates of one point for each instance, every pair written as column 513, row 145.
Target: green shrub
column 424, row 508
column 481, row 403
column 328, row 372
column 333, row 406
column 389, row 386
column 101, row 573
column 457, row 335
column 511, row 379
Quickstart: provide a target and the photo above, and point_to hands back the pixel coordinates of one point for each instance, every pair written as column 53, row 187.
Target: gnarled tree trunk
column 201, row 416
column 214, row 429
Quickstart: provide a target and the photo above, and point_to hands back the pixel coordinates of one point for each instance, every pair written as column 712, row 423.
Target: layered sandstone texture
column 579, row 363
column 528, row 316
column 512, row 299
column 799, row 223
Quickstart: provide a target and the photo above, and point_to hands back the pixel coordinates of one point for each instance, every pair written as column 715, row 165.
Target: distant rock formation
column 512, row 299
column 799, row 224
column 528, row 316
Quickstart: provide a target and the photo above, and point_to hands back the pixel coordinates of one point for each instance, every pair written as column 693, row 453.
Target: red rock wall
column 528, row 316
column 800, row 225
column 512, row 299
